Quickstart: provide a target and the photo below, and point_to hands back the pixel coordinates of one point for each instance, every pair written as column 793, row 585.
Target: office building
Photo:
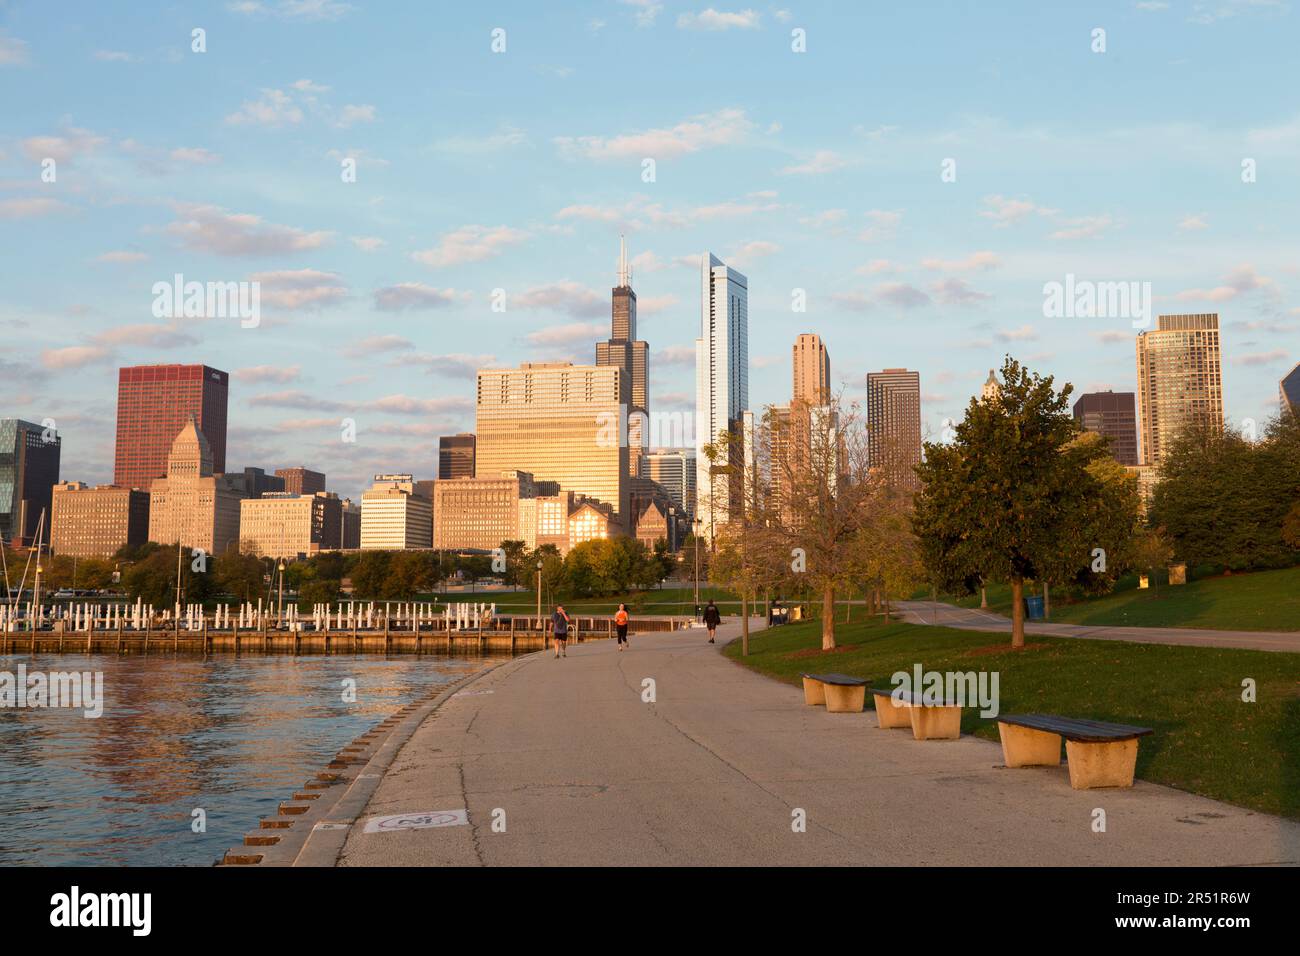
column 673, row 469
column 811, row 365
column 480, row 513
column 350, row 524
column 29, row 470
column 721, row 387
column 560, row 422
column 285, row 525
column 254, row 482
column 1112, row 415
column 624, row 351
column 396, row 513
column 97, row 522
column 192, row 506
column 1288, row 392
column 300, row 481
column 153, row 404
column 894, row 425
column 991, row 389
column 1180, row 380
column 456, row 456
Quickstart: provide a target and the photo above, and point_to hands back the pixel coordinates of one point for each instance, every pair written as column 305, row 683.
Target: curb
column 312, row 828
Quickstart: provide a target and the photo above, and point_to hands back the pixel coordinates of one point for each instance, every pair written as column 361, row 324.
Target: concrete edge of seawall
column 312, row 828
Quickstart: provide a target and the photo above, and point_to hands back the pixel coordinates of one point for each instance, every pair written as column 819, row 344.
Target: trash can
column 1034, row 608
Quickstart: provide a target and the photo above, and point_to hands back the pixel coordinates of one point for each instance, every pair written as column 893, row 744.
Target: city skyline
column 377, row 294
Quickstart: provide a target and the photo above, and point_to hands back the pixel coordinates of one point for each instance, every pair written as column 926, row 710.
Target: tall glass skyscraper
column 29, row 470
column 721, row 386
column 1180, row 379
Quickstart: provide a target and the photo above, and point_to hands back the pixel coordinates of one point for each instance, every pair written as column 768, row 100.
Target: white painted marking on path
column 421, row 820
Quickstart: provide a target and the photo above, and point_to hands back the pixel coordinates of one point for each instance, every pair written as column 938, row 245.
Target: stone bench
column 840, row 693
column 1099, row 754
column 929, row 721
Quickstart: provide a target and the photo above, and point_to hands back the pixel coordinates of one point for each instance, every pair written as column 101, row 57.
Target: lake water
column 233, row 736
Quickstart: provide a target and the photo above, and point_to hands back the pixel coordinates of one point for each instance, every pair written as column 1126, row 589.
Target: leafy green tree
column 1150, row 551
column 370, row 575
column 1007, row 499
column 239, row 575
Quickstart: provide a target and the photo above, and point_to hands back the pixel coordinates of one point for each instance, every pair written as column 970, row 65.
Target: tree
column 822, row 491
column 884, row 553
column 1149, row 550
column 239, row 575
column 1007, row 499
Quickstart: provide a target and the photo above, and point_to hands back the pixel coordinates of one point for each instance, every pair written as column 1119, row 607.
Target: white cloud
column 454, row 365
column 711, row 19
column 121, row 256
column 381, row 343
column 954, row 291
column 1025, row 333
column 563, row 296
column 272, row 108
column 358, row 113
column 1005, row 211
column 505, row 137
column 721, row 128
column 1084, row 227
column 884, row 223
column 1240, row 281
column 878, row 267
column 901, row 294
column 29, row 208
column 212, row 229
column 976, row 261
column 74, row 142
column 74, row 356
column 145, row 335
column 568, row 334
column 196, row 155
column 822, row 161
column 1193, row 223
column 645, row 12
column 305, row 10
column 368, row 243
column 469, row 244
column 681, row 355
column 755, row 249
column 407, row 296
column 301, row 288
column 13, row 52
column 267, row 373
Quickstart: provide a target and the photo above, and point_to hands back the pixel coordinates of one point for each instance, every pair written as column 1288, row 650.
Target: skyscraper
column 561, row 422
column 674, row 470
column 721, row 385
column 812, row 370
column 1180, row 379
column 29, row 470
column 1112, row 415
column 153, row 404
column 193, row 506
column 1288, row 392
column 624, row 351
column 397, row 513
column 894, row 424
column 456, row 456
column 301, row 481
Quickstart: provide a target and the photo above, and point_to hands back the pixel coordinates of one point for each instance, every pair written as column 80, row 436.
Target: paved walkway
column 973, row 619
column 582, row 771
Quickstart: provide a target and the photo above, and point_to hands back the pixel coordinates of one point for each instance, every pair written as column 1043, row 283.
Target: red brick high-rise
column 153, row 404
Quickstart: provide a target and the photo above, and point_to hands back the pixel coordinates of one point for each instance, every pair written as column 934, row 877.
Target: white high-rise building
column 721, row 383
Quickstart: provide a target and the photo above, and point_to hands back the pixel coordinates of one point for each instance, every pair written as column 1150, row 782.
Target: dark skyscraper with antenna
column 633, row 357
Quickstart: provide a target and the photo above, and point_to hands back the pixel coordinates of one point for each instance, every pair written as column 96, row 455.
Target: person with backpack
column 620, row 623
column 560, row 630
column 712, row 618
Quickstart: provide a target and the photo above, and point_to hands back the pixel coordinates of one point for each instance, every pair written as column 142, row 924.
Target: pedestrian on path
column 560, row 628
column 712, row 618
column 620, row 622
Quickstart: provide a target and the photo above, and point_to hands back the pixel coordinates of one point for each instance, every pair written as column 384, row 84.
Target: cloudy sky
column 821, row 171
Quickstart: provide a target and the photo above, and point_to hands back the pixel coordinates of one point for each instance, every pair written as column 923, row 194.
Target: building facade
column 350, row 524
column 255, row 482
column 894, row 424
column 673, row 469
column 29, row 470
column 721, row 387
column 1113, row 415
column 480, row 513
column 456, row 456
column 811, row 368
column 624, row 351
column 560, row 422
column 192, row 506
column 396, row 514
column 990, row 389
column 153, row 404
column 96, row 522
column 285, row 525
column 1288, row 392
column 1180, row 380
column 300, row 481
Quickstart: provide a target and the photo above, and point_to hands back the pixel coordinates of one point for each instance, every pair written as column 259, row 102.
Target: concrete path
column 581, row 771
column 973, row 619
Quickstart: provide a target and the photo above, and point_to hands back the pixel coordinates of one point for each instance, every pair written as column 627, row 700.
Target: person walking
column 620, row 622
column 712, row 618
column 560, row 630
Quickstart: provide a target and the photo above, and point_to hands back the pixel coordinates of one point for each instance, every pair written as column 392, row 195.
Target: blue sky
column 518, row 170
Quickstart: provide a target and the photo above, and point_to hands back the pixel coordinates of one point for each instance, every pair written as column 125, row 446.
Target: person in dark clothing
column 712, row 618
column 560, row 629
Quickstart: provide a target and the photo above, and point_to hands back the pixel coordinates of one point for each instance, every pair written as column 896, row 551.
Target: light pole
column 699, row 523
column 279, row 605
column 539, row 592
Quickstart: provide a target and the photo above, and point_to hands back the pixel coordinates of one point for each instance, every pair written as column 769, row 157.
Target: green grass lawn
column 1206, row 739
column 1259, row 601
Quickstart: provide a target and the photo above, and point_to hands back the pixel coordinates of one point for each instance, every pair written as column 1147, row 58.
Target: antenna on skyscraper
column 624, row 275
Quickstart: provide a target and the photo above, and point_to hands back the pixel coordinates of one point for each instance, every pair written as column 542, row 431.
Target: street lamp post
column 539, row 592
column 279, row 609
column 699, row 523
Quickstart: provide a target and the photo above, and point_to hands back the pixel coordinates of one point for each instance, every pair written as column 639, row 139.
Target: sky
column 913, row 173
